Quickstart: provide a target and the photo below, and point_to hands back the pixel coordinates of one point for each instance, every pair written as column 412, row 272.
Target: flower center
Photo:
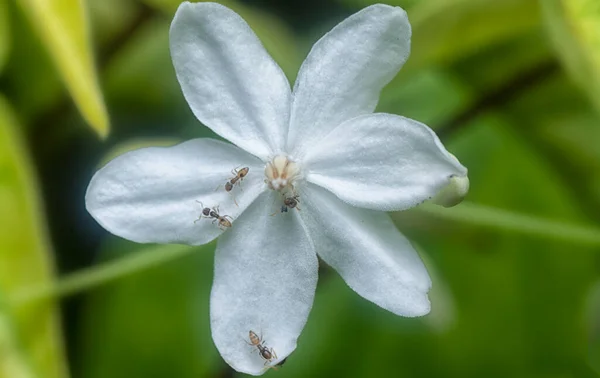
column 281, row 174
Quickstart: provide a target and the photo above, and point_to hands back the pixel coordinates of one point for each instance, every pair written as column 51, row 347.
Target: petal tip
column 453, row 193
column 420, row 306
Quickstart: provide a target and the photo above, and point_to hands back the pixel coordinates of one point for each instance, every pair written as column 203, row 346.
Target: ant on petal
column 213, row 213
column 268, row 354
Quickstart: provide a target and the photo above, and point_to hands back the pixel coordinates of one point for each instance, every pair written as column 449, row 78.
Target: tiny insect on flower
column 223, row 221
column 268, row 354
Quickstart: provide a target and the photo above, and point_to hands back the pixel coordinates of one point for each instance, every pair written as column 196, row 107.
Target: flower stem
column 95, row 276
column 468, row 213
column 499, row 219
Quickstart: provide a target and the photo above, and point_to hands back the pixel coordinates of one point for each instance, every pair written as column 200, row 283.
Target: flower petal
column 149, row 195
column 382, row 162
column 230, row 82
column 346, row 69
column 265, row 281
column 367, row 250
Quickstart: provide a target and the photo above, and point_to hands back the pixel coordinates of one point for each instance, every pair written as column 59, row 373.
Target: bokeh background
column 511, row 86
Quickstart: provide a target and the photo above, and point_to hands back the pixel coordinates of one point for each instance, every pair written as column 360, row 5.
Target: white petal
column 265, row 280
column 230, row 82
column 367, row 250
column 346, row 69
column 382, row 162
column 149, row 195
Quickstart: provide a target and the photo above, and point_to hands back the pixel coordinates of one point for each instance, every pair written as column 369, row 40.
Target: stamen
column 281, row 173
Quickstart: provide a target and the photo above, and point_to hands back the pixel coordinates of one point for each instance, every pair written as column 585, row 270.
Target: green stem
column 468, row 213
column 95, row 276
column 498, row 219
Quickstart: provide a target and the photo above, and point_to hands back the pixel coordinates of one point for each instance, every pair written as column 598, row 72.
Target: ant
column 237, row 178
column 289, row 202
column 268, row 354
column 214, row 213
column 292, row 202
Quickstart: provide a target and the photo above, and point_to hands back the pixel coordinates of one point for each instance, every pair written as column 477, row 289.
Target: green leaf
column 574, row 26
column 13, row 364
column 25, row 254
column 446, row 30
column 4, row 33
column 62, row 26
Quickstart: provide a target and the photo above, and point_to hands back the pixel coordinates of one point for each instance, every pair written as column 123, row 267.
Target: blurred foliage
column 574, row 26
column 454, row 28
column 485, row 74
column 4, row 34
column 26, row 262
column 62, row 26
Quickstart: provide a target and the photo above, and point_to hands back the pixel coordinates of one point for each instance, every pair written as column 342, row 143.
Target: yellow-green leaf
column 4, row 33
column 63, row 27
column 12, row 362
column 25, row 258
column 574, row 26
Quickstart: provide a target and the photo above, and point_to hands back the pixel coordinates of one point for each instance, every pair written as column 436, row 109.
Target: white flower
column 319, row 142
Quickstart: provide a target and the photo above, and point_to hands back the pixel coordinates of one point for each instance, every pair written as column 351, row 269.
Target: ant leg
column 234, row 201
column 273, row 353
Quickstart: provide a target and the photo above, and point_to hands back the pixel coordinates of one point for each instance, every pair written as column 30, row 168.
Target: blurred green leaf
column 508, row 60
column 156, row 322
column 62, row 26
column 12, row 361
column 109, row 18
column 143, row 66
column 25, row 258
column 4, row 34
column 593, row 323
column 446, row 30
column 29, row 63
column 574, row 26
column 427, row 95
column 564, row 126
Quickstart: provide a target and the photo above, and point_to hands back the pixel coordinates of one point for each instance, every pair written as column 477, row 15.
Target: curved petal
column 382, row 162
column 230, row 82
column 344, row 72
column 367, row 250
column 149, row 195
column 265, row 280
